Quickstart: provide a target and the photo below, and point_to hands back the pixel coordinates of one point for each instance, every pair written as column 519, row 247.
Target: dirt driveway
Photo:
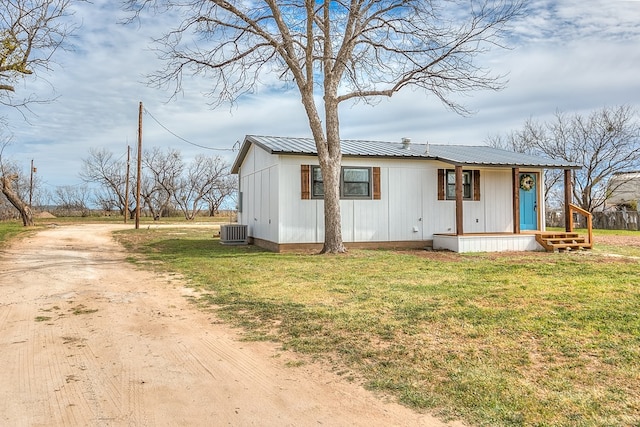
column 86, row 339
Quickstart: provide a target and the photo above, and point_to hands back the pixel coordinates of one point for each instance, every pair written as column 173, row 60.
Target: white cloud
column 569, row 55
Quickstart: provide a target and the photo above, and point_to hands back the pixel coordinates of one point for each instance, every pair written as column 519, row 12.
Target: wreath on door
column 527, row 182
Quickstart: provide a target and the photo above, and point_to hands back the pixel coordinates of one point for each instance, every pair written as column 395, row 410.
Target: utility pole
column 138, row 180
column 31, row 184
column 126, row 185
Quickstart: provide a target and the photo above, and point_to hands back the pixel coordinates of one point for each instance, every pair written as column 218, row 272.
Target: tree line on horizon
column 170, row 186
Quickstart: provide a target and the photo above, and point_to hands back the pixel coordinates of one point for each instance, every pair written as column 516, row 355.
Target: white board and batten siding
column 397, row 216
column 259, row 191
column 409, row 209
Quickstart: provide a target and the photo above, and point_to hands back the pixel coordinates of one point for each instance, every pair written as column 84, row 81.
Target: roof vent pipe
column 406, row 143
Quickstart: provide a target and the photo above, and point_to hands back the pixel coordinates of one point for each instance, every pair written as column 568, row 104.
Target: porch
column 506, row 242
column 528, row 221
column 487, row 242
column 534, row 240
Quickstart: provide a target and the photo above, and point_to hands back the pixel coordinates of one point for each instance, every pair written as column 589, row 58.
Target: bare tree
column 334, row 52
column 30, row 33
column 150, row 199
column 204, row 175
column 605, row 142
column 72, row 199
column 163, row 170
column 7, row 210
column 10, row 185
column 224, row 190
column 106, row 202
column 167, row 182
column 101, row 167
column 7, row 182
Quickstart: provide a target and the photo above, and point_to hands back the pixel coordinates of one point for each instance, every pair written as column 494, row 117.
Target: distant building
column 623, row 191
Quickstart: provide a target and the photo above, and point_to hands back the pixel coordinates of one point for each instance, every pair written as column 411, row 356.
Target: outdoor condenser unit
column 235, row 234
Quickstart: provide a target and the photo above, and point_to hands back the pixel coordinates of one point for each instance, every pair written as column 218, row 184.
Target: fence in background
column 612, row 220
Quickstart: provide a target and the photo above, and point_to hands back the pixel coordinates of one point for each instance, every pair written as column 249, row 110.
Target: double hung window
column 447, row 184
column 467, row 179
column 356, row 182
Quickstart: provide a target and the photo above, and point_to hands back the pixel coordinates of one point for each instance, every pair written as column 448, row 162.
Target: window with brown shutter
column 305, row 182
column 376, row 183
column 447, row 184
column 355, row 182
column 441, row 195
column 476, row 185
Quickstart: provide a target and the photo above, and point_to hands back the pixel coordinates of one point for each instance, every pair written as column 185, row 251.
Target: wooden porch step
column 552, row 234
column 566, row 240
column 560, row 241
column 567, row 246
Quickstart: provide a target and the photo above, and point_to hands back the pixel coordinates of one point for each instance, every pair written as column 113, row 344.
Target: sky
column 574, row 56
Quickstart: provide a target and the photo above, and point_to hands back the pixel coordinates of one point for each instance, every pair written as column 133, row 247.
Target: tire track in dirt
column 98, row 391
column 102, row 378
column 90, row 340
column 38, row 369
column 58, row 369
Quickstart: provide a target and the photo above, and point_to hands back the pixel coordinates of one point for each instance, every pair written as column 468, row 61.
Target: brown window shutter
column 441, row 185
column 305, row 181
column 376, row 183
column 476, row 185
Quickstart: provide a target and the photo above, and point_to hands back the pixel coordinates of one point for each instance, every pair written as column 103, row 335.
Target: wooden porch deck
column 487, row 242
column 549, row 241
column 533, row 240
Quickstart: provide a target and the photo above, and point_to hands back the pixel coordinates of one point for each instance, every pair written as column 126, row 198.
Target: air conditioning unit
column 233, row 234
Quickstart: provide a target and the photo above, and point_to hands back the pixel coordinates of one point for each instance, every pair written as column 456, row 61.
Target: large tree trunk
column 332, row 218
column 14, row 199
column 330, row 158
column 331, row 164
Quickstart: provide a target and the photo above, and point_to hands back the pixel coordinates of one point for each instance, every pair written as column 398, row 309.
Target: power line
column 181, row 138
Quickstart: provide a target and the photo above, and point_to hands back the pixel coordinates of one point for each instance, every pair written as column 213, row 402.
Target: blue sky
column 569, row 55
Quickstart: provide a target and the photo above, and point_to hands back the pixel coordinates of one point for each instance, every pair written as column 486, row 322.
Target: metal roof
column 471, row 155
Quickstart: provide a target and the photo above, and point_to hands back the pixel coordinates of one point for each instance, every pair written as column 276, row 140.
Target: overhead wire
column 183, row 139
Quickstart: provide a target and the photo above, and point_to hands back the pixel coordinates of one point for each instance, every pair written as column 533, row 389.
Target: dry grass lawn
column 493, row 339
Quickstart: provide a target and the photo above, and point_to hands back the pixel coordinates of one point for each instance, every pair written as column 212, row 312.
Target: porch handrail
column 577, row 209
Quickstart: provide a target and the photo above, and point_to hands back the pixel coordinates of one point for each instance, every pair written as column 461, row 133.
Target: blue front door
column 528, row 201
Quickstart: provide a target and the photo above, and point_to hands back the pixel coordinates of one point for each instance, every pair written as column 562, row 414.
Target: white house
column 402, row 194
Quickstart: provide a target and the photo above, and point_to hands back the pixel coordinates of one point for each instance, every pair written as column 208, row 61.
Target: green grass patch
column 9, row 229
column 514, row 339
